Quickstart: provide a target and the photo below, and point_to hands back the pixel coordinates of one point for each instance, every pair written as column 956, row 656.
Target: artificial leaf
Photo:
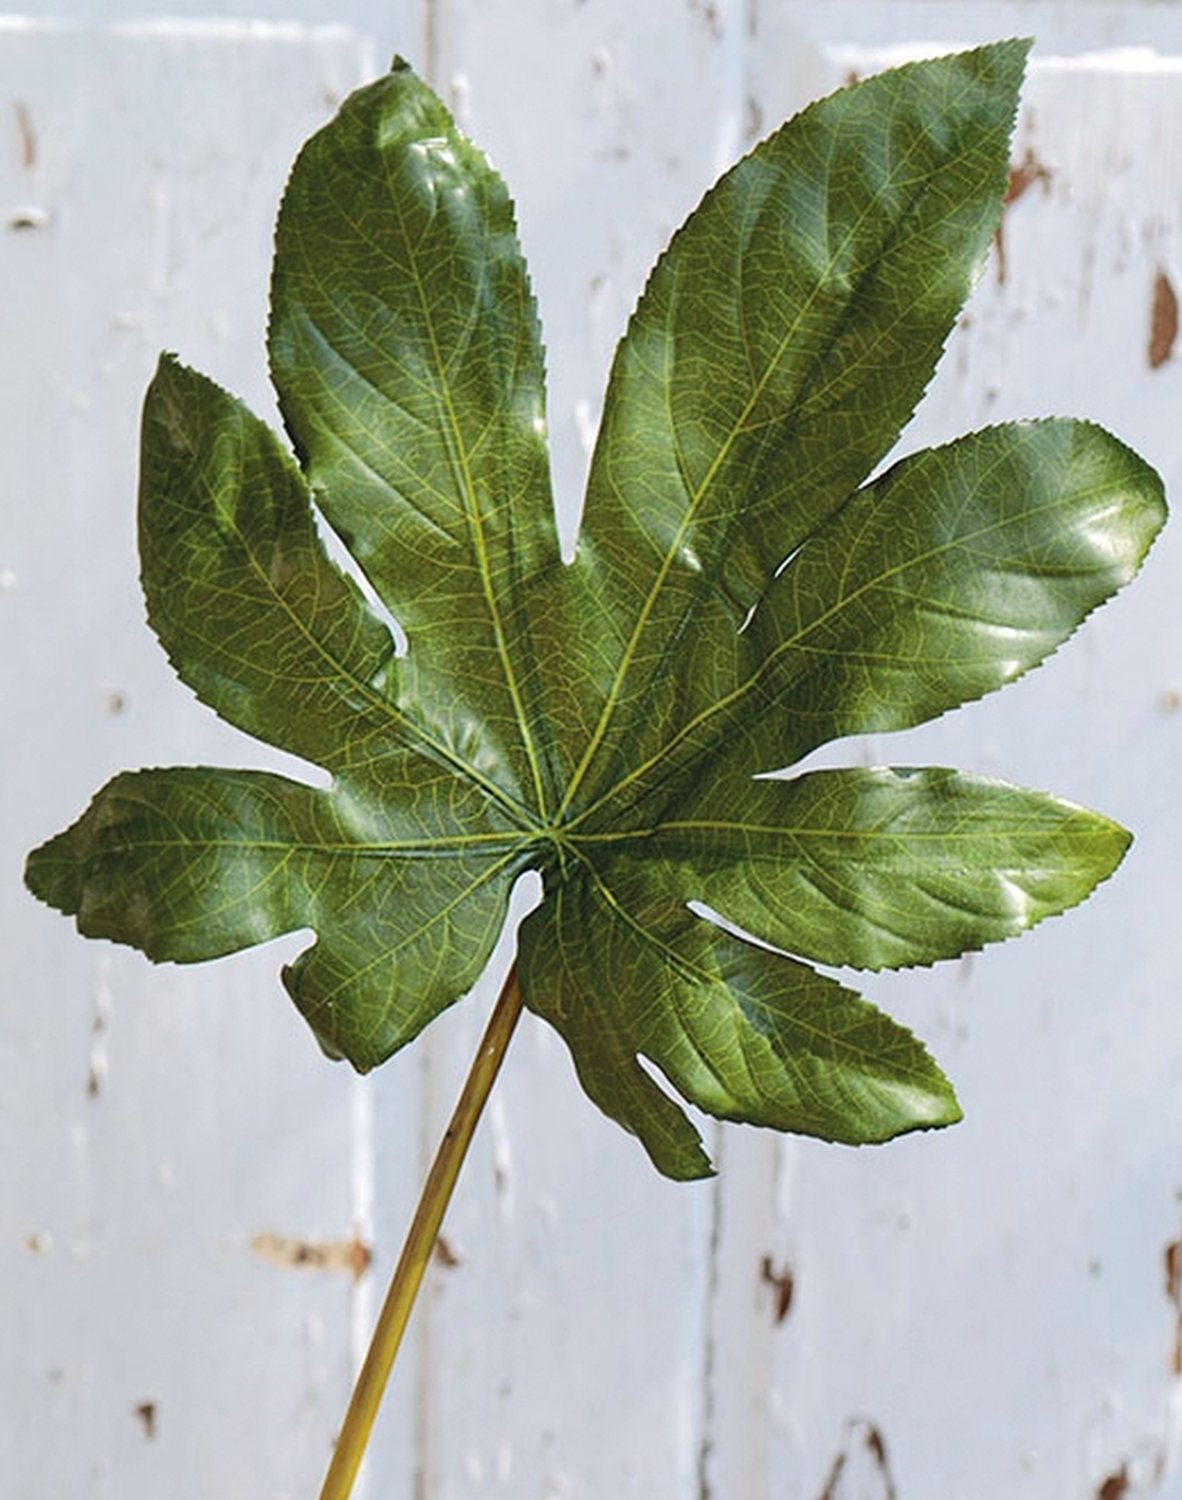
column 740, row 595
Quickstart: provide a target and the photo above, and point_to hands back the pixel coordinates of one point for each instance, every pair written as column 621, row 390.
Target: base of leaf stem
column 420, row 1244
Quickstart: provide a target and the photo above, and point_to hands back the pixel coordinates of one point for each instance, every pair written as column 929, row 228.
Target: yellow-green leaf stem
column 420, row 1242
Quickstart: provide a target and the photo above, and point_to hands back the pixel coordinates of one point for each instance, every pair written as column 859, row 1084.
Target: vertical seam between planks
column 709, row 1404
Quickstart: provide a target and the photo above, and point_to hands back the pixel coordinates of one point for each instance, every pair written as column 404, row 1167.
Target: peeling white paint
column 30, row 216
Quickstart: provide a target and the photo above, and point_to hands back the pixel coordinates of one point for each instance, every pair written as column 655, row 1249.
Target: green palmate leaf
column 740, row 595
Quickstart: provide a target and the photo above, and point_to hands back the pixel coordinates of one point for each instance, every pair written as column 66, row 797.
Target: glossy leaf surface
column 740, row 595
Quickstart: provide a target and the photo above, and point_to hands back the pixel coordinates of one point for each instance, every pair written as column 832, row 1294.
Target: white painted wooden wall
column 187, row 1189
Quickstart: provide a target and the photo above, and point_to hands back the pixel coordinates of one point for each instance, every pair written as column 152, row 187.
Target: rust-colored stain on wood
column 1116, row 1486
column 1023, row 176
column 146, row 1411
column 782, row 1284
column 288, row 1252
column 833, row 1477
column 445, row 1255
column 1173, row 1270
column 875, row 1445
column 25, row 135
column 1163, row 321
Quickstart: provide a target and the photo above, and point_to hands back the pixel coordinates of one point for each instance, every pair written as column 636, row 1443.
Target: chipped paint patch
column 1023, row 176
column 350, row 1255
column 147, row 1412
column 1173, row 1271
column 445, row 1255
column 783, row 1286
column 26, row 136
column 28, row 218
column 1116, row 1486
column 872, row 1444
column 1163, row 321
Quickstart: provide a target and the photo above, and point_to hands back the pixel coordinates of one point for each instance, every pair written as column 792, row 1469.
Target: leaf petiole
column 419, row 1244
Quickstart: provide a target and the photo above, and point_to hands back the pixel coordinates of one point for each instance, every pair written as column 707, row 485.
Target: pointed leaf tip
column 882, row 868
column 51, row 874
